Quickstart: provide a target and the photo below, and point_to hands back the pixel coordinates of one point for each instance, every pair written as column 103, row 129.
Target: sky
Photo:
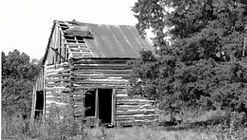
column 26, row 24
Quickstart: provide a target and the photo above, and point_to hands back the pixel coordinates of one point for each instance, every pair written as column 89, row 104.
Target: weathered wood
column 99, row 86
column 132, row 102
column 66, row 83
column 99, row 71
column 113, row 117
column 103, row 61
column 134, row 112
column 113, row 67
column 76, row 44
column 97, row 105
column 33, row 105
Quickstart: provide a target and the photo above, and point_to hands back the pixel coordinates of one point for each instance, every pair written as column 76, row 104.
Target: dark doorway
column 39, row 104
column 90, row 103
column 105, row 105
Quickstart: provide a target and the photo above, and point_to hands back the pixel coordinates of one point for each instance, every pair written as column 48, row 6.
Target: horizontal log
column 113, row 67
column 135, row 107
column 140, row 106
column 76, row 44
column 99, row 75
column 105, row 82
column 58, row 75
column 100, row 71
column 137, row 116
column 100, row 60
column 98, row 65
column 57, row 80
column 124, row 95
column 79, row 50
column 131, row 102
column 57, row 89
column 134, row 112
column 60, row 84
column 127, row 97
column 84, row 61
column 92, row 86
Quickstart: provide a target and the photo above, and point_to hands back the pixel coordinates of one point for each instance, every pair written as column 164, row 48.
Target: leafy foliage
column 204, row 66
column 18, row 75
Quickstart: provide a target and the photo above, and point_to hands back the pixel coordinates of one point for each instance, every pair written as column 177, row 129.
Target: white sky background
column 26, row 24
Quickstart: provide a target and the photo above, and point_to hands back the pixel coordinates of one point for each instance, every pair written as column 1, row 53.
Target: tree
column 18, row 76
column 203, row 66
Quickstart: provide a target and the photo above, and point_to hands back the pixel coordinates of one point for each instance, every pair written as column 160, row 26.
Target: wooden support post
column 97, row 107
column 113, row 107
column 44, row 94
column 33, row 106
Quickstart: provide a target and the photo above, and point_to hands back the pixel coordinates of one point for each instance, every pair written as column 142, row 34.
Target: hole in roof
column 80, row 41
column 71, row 41
column 79, row 38
column 64, row 27
column 68, row 37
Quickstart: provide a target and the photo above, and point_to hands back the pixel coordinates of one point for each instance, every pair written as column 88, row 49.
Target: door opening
column 105, row 105
column 39, row 105
column 90, row 103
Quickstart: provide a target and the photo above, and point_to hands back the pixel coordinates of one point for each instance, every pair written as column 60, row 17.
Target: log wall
column 112, row 73
column 135, row 110
column 57, row 85
column 66, row 84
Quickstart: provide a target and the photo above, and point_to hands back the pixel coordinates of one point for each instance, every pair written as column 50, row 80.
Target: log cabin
column 85, row 67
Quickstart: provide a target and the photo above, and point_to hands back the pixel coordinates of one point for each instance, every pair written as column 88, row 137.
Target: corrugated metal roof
column 115, row 41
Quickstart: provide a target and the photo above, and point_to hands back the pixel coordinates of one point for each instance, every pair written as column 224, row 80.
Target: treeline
column 18, row 76
column 200, row 61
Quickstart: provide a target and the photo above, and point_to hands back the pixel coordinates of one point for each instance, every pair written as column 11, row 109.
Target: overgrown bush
column 203, row 64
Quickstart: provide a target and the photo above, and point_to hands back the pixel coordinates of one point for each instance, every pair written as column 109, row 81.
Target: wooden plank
column 100, row 65
column 104, row 71
column 33, row 105
column 100, row 76
column 88, row 86
column 134, row 112
column 83, row 45
column 103, row 67
column 113, row 107
column 102, row 61
column 132, row 102
column 98, row 83
column 97, row 106
column 58, row 45
column 44, row 93
column 56, row 53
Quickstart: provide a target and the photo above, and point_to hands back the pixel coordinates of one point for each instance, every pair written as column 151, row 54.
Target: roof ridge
column 81, row 23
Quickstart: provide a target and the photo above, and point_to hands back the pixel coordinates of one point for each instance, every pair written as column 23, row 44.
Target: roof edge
column 49, row 42
column 81, row 23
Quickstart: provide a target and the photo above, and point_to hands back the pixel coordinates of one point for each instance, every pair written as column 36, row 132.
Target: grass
column 192, row 129
column 145, row 133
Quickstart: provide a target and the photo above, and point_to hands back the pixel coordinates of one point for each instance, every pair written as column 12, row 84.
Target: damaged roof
column 104, row 41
